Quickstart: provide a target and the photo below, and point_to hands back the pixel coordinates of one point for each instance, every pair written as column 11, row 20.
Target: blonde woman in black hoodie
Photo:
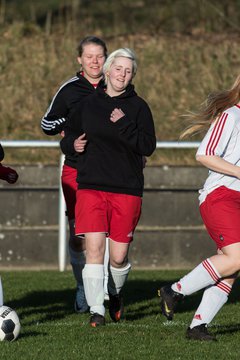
column 111, row 130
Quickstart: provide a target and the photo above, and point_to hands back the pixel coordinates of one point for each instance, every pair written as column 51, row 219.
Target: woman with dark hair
column 92, row 53
column 219, row 200
column 111, row 131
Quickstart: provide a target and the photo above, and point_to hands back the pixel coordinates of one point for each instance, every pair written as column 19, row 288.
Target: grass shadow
column 140, row 299
column 49, row 305
column 144, row 293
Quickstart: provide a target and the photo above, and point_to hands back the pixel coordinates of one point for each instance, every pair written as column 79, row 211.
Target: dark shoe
column 168, row 301
column 116, row 307
column 97, row 320
column 201, row 333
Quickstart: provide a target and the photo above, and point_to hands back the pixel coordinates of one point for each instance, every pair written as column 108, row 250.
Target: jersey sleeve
column 218, row 136
column 55, row 117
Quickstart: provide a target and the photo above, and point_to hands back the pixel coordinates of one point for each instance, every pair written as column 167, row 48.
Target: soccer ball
column 9, row 324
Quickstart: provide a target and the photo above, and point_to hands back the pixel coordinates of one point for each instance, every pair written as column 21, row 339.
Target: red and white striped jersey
column 222, row 139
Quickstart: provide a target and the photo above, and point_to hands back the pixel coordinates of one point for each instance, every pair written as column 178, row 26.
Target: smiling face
column 92, row 61
column 119, row 75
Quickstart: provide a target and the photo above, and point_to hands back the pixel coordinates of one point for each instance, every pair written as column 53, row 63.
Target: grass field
column 51, row 330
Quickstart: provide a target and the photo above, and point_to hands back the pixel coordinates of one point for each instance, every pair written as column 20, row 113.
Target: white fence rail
column 62, row 232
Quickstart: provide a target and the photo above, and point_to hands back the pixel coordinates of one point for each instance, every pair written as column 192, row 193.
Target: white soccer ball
column 9, row 324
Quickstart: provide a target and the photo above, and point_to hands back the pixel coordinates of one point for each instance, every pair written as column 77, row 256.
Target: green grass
column 51, row 330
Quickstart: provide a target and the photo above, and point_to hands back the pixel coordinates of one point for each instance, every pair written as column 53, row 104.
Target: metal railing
column 62, row 232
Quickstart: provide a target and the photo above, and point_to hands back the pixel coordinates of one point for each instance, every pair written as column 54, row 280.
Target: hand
column 80, row 143
column 116, row 115
column 144, row 161
column 12, row 176
column 8, row 174
column 62, row 133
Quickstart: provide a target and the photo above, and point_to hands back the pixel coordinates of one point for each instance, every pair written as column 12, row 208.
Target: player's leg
column 118, row 273
column 93, row 277
column 213, row 299
column 77, row 254
column 220, row 213
column 124, row 213
column 200, row 277
column 76, row 245
column 91, row 220
column 204, row 275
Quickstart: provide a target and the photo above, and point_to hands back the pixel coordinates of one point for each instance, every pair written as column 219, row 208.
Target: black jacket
column 112, row 160
column 1, row 153
column 63, row 103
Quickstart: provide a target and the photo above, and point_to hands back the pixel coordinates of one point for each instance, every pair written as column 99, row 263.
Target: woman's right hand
column 80, row 143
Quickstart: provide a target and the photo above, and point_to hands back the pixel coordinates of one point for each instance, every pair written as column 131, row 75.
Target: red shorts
column 69, row 186
column 221, row 215
column 116, row 215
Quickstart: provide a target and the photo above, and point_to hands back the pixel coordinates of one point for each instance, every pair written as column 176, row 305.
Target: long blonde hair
column 212, row 108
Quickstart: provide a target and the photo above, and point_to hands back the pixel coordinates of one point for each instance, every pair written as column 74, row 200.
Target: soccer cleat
column 116, row 307
column 80, row 305
column 97, row 320
column 201, row 333
column 168, row 301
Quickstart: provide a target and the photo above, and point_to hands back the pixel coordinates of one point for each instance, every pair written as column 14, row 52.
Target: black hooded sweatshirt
column 112, row 160
column 63, row 103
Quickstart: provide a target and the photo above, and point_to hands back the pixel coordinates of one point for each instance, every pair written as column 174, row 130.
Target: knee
column 118, row 261
column 95, row 255
column 236, row 263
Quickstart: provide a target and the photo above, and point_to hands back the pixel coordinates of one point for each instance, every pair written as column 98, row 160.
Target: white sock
column 93, row 275
column 214, row 297
column 106, row 264
column 1, row 293
column 117, row 278
column 202, row 276
column 77, row 260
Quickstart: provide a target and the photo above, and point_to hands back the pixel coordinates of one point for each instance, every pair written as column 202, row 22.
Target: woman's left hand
column 116, row 115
